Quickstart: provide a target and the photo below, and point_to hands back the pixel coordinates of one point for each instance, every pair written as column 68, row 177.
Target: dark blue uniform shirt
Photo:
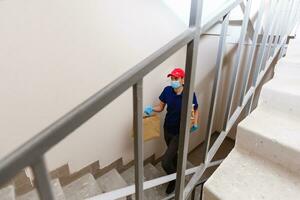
column 173, row 101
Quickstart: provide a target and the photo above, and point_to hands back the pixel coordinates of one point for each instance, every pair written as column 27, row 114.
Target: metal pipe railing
column 187, row 97
column 216, row 86
column 138, row 138
column 129, row 190
column 250, row 57
column 261, row 55
column 42, row 180
column 274, row 29
column 37, row 146
column 247, row 97
column 50, row 136
column 237, row 64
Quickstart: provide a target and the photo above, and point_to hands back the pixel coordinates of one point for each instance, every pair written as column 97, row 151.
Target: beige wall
column 55, row 54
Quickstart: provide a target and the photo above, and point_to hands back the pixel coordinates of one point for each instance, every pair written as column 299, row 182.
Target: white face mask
column 175, row 84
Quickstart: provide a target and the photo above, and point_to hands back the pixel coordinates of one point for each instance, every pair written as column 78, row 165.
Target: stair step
column 287, row 70
column 84, row 187
column 150, row 172
column 293, row 50
column 281, row 95
column 294, row 42
column 291, row 59
column 112, row 180
column 7, row 193
column 188, row 166
column 265, row 162
column 159, row 167
column 128, row 175
column 162, row 171
column 244, row 175
column 57, row 190
column 272, row 134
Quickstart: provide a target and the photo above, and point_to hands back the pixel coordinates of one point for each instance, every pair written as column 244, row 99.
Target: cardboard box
column 151, row 127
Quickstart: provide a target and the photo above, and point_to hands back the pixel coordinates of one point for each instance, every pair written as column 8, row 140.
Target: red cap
column 177, row 72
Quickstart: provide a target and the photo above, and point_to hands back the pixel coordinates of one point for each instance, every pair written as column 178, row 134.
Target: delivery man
column 172, row 97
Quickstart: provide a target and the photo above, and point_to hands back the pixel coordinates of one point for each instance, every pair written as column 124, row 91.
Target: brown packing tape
column 151, row 127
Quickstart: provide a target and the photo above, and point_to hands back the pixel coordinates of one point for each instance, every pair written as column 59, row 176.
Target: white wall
column 55, row 54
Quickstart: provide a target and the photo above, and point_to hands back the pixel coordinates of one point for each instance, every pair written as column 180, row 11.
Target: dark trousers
column 169, row 159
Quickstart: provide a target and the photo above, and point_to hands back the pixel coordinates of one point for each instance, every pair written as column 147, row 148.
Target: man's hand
column 148, row 110
column 194, row 128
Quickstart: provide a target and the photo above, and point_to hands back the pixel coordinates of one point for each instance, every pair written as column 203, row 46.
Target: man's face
column 181, row 80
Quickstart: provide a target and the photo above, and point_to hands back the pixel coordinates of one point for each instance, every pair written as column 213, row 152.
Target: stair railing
column 32, row 153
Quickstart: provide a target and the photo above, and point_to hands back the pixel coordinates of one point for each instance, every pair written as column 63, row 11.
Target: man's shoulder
column 167, row 89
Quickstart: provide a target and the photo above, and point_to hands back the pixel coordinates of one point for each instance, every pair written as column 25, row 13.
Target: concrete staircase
column 33, row 195
column 150, row 173
column 265, row 162
column 112, row 180
column 82, row 188
column 7, row 193
column 87, row 186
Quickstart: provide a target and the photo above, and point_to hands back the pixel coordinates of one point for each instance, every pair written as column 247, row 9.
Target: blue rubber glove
column 194, row 128
column 148, row 110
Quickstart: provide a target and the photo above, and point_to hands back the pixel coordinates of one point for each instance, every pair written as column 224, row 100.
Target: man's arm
column 196, row 116
column 160, row 107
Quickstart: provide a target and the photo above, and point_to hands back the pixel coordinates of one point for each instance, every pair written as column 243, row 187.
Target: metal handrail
column 27, row 153
column 53, row 134
column 129, row 190
column 248, row 97
column 32, row 152
column 36, row 146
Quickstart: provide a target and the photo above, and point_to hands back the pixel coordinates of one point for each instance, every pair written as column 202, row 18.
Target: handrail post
column 188, row 91
column 274, row 33
column 251, row 54
column 237, row 65
column 215, row 89
column 262, row 51
column 138, row 138
column 42, row 180
column 285, row 20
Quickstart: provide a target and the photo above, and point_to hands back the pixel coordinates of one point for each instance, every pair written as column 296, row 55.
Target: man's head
column 177, row 77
